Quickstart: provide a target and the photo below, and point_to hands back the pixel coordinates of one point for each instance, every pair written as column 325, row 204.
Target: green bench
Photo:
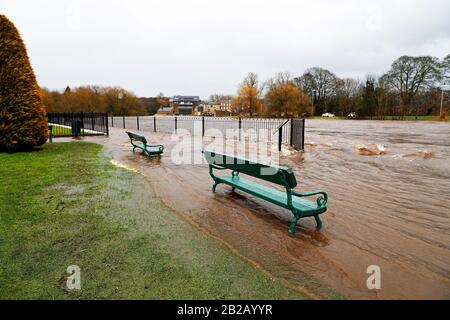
column 289, row 199
column 140, row 142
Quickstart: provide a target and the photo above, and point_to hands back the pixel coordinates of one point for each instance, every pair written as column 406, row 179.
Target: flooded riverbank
column 389, row 208
column 394, row 207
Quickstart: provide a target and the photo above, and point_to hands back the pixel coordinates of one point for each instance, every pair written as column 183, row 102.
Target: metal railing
column 297, row 134
column 78, row 124
column 270, row 130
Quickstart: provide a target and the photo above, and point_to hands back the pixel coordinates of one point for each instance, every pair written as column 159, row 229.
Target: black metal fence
column 78, row 124
column 297, row 134
column 271, row 130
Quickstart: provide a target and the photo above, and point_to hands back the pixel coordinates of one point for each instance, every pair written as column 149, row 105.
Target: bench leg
column 318, row 222
column 215, row 186
column 293, row 224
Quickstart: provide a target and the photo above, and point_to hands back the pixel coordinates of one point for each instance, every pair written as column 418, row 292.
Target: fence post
column 154, row 123
column 50, row 137
column 280, row 138
column 82, row 124
column 137, row 123
column 292, row 132
column 176, row 124
column 107, row 124
column 240, row 127
column 203, row 126
column 303, row 134
column 92, row 121
column 123, row 121
column 112, row 120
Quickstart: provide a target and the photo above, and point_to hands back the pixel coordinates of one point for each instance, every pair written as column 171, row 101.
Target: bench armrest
column 321, row 200
column 160, row 146
column 211, row 171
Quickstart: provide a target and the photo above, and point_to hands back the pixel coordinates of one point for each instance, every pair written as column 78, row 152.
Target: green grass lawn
column 405, row 118
column 419, row 118
column 67, row 205
column 61, row 131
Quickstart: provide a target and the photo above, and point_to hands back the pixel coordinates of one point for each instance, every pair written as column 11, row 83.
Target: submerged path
column 383, row 210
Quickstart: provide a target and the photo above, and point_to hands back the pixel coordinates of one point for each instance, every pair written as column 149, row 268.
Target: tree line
column 114, row 100
column 412, row 86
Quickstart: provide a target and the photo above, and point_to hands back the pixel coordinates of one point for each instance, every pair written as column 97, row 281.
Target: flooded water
column 393, row 207
column 389, row 189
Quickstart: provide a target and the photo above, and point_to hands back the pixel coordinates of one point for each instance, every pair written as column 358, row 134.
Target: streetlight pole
column 312, row 102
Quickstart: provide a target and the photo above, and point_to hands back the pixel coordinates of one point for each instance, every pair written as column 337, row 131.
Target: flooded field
column 389, row 188
column 394, row 207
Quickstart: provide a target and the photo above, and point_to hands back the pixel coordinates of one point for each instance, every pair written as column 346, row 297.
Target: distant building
column 184, row 105
column 214, row 108
column 164, row 111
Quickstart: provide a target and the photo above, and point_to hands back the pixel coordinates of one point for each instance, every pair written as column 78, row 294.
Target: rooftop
column 185, row 98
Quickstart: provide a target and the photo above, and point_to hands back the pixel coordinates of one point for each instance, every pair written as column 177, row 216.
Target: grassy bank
column 394, row 118
column 67, row 205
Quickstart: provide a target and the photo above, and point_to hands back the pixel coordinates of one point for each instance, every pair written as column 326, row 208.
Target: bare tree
column 218, row 98
column 319, row 84
column 446, row 70
column 408, row 75
column 346, row 90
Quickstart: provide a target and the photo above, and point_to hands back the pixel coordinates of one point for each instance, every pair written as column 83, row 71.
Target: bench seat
column 306, row 207
column 149, row 149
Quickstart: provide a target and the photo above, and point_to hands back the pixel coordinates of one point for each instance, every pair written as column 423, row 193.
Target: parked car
column 328, row 115
column 352, row 115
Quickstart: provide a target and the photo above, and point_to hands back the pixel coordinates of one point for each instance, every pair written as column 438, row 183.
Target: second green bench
column 138, row 141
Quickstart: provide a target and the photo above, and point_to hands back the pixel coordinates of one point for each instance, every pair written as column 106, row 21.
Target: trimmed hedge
column 23, row 121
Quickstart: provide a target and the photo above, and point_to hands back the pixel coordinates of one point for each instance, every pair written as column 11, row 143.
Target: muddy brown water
column 390, row 210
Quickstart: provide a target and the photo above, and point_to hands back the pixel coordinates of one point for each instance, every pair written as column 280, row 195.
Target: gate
column 78, row 124
column 298, row 134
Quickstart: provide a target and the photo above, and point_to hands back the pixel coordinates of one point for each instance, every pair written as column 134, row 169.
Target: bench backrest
column 272, row 173
column 136, row 137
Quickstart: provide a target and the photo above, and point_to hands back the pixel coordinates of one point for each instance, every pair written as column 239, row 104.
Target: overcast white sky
column 200, row 47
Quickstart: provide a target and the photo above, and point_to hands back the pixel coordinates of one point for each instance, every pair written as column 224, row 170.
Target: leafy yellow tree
column 284, row 98
column 162, row 100
column 23, row 121
column 248, row 98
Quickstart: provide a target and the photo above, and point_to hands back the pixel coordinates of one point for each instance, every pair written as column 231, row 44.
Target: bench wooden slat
column 271, row 173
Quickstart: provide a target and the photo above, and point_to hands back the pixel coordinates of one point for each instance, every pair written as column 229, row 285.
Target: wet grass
column 59, row 130
column 67, row 205
column 394, row 118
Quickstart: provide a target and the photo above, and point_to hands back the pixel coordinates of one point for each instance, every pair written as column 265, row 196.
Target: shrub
column 23, row 121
